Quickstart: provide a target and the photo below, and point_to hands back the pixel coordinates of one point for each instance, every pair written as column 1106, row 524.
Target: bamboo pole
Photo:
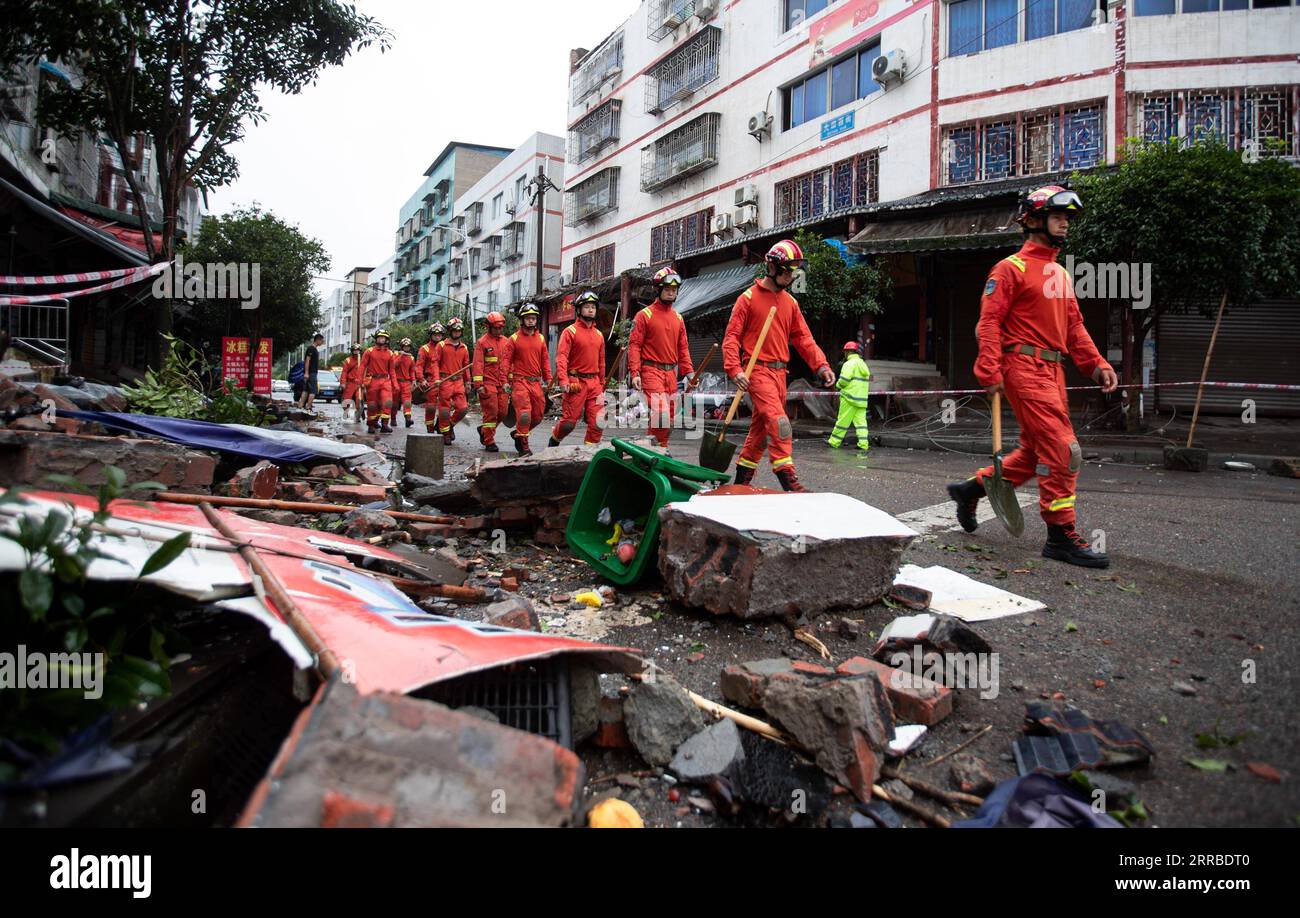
column 303, row 507
column 1205, row 370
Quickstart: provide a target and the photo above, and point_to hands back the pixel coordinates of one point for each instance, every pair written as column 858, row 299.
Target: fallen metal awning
column 983, row 229
column 707, row 293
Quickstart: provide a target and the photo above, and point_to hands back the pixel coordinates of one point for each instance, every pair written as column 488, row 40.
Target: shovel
column 716, row 453
column 1001, row 493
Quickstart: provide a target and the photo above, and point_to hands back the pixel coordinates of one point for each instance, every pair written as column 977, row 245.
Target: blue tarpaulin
column 198, row 434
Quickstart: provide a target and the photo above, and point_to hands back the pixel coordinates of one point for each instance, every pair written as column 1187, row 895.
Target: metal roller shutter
column 1257, row 344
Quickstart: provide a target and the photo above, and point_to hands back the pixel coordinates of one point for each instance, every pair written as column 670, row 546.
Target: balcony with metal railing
column 677, row 77
column 598, row 130
column 588, row 200
column 663, row 16
column 602, row 64
column 690, row 149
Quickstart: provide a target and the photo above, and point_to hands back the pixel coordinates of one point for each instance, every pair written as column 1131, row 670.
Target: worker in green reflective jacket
column 854, row 385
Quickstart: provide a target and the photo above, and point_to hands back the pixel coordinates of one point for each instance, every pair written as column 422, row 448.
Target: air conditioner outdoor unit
column 566, row 279
column 720, row 224
column 746, row 194
column 890, row 68
column 759, row 125
column 747, row 216
column 706, row 9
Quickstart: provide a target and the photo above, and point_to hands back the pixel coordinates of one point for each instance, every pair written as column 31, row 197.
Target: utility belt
column 584, row 375
column 772, row 364
column 660, row 366
column 528, row 378
column 1031, row 351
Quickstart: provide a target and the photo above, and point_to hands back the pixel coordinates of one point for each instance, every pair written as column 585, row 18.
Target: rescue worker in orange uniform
column 453, row 359
column 1029, row 322
column 426, row 371
column 377, row 377
column 657, row 354
column 767, row 388
column 403, row 377
column 350, row 378
column 490, row 380
column 580, row 367
column 527, row 367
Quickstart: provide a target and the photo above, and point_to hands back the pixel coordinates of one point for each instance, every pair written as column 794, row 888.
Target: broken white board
column 905, row 737
column 822, row 516
column 961, row 597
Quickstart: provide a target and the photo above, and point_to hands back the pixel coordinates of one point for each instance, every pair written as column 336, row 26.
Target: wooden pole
column 253, row 503
column 1205, row 370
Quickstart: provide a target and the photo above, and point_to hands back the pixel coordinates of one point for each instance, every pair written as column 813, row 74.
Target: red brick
column 355, row 494
column 371, row 477
column 548, row 537
column 611, row 733
column 295, row 490
column 512, row 515
column 341, row 812
column 472, row 522
column 326, row 471
column 509, row 583
column 815, row 669
column 428, row 530
column 916, row 700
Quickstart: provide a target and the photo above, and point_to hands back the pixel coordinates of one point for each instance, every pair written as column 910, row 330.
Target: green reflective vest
column 855, row 380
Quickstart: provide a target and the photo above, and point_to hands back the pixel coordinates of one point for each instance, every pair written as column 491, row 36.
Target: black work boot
column 790, row 481
column 383, row 426
column 521, row 445
column 1065, row 544
column 492, row 448
column 450, row 435
column 553, row 442
column 410, row 421
column 481, row 438
column 967, row 494
column 745, row 475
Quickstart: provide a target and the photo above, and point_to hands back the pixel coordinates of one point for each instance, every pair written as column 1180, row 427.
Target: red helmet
column 584, row 299
column 455, row 323
column 665, row 277
column 1049, row 198
column 786, row 254
column 495, row 318
column 852, row 346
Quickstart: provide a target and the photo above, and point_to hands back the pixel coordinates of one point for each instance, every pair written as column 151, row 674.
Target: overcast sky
column 341, row 158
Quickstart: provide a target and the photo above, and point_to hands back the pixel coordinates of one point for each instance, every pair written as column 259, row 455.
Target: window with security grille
column 1026, row 143
column 594, row 266
column 595, row 132
column 850, row 182
column 690, row 149
column 693, row 65
column 1257, row 118
column 677, row 237
column 664, row 16
column 599, row 66
column 593, row 197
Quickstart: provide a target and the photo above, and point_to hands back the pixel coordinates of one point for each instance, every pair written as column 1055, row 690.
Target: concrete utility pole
column 537, row 188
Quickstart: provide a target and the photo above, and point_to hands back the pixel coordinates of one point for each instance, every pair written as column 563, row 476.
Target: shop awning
column 983, row 229
column 708, row 293
column 99, row 237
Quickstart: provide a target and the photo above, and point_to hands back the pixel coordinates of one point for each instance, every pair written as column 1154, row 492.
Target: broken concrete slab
column 660, row 716
column 364, row 524
column 846, row 723
column 584, row 702
column 450, row 495
column 756, row 556
column 745, row 683
column 714, row 752
column 404, row 762
column 551, row 473
column 971, row 774
column 29, row 458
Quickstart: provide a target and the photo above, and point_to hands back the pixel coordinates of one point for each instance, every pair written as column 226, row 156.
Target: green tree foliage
column 187, row 74
column 1205, row 220
column 289, row 308
column 837, row 289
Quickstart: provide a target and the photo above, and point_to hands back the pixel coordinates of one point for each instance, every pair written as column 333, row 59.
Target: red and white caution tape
column 47, row 280
column 791, row 396
column 134, row 276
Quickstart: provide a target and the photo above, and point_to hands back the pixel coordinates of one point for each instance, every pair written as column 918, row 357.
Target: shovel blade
column 716, row 453
column 1002, row 497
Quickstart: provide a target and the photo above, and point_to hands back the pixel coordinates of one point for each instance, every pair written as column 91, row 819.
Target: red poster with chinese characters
column 235, row 361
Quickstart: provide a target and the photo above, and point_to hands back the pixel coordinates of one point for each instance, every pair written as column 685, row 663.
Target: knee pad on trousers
column 1076, row 456
column 566, row 428
column 783, row 429
column 525, row 419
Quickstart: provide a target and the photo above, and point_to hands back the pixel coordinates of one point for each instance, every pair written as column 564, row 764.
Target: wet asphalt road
column 1202, row 589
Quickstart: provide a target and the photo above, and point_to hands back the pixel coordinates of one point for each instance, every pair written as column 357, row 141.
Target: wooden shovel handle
column 753, row 359
column 997, row 423
column 695, row 380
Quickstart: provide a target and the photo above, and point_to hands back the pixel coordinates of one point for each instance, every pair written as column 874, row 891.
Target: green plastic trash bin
column 633, row 482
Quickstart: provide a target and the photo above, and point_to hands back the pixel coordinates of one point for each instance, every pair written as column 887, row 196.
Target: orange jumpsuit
column 527, row 367
column 403, row 376
column 377, row 377
column 350, row 377
column 657, row 351
column 767, row 383
column 489, row 374
column 426, row 371
column 1029, row 300
column 452, row 406
column 581, row 360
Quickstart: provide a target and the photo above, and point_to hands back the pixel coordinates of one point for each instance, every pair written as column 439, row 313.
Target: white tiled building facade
column 703, row 121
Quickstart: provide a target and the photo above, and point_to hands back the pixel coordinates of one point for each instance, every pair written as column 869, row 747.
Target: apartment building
column 493, row 233
column 380, row 303
column 701, row 131
column 422, row 269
